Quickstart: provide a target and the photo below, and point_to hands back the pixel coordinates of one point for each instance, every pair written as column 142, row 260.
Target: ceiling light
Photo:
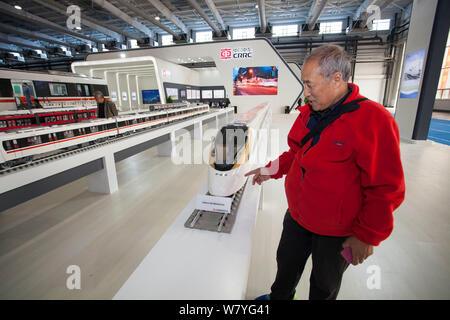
column 157, row 18
column 256, row 6
column 18, row 7
column 123, row 55
column 78, row 28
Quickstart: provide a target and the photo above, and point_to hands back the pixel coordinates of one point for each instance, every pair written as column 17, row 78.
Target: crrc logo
column 236, row 53
column 225, row 54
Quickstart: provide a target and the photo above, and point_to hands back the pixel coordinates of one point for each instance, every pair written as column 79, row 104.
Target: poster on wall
column 219, row 94
column 173, row 93
column 249, row 81
column 113, row 96
column 133, row 96
column 151, row 96
column 207, row 94
column 412, row 73
column 124, row 96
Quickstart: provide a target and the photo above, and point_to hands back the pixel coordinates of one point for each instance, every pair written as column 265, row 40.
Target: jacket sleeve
column 280, row 166
column 113, row 109
column 382, row 180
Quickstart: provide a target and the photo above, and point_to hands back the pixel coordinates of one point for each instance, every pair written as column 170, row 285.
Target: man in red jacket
column 344, row 178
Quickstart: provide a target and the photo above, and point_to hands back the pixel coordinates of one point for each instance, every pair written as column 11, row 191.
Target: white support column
column 105, row 180
column 165, row 148
column 129, row 91
column 230, row 116
column 261, row 197
column 138, row 92
column 197, row 140
column 119, row 94
column 198, row 130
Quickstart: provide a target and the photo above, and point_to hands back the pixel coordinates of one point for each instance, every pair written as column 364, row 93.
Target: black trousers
column 296, row 244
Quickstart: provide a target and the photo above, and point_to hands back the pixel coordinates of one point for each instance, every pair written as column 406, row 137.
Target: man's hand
column 261, row 175
column 360, row 250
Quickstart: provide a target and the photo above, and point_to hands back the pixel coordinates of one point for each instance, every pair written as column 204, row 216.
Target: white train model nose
column 232, row 153
column 229, row 160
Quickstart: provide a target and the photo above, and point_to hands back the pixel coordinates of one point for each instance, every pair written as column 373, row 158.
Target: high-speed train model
column 21, row 146
column 232, row 152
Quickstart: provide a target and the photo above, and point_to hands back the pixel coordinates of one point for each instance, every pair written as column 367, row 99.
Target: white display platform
column 198, row 264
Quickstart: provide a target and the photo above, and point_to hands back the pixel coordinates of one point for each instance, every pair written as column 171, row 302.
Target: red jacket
column 352, row 179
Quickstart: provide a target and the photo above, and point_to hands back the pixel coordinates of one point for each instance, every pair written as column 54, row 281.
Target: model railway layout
column 19, row 147
column 233, row 153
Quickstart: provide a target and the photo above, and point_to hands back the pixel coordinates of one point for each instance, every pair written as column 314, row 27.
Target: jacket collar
column 354, row 94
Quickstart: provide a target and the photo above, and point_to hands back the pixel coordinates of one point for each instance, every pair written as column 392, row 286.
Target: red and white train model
column 68, row 120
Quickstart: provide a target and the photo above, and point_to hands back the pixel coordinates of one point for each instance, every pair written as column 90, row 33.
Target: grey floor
column 109, row 235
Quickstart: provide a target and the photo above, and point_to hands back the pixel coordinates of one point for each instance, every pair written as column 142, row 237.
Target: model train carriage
column 41, row 140
column 20, row 147
column 129, row 123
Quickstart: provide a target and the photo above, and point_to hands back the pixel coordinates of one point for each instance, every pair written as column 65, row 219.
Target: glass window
column 286, row 30
column 6, row 89
column 331, row 27
column 58, row 89
column 133, row 43
column 83, row 90
column 243, row 33
column 381, row 24
column 167, row 39
column 203, row 36
column 444, row 81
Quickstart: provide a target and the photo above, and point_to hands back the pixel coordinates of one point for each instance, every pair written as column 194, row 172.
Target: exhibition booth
column 247, row 72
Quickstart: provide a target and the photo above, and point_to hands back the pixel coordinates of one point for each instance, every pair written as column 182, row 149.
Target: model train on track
column 233, row 152
column 21, row 146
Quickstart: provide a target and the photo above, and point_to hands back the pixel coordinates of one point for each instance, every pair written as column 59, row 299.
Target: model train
column 21, row 146
column 50, row 89
column 233, row 152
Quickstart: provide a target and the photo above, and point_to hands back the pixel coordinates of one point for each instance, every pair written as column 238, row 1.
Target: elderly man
column 344, row 178
column 106, row 108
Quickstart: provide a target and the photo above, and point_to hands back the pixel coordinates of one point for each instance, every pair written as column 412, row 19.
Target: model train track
column 216, row 221
column 65, row 154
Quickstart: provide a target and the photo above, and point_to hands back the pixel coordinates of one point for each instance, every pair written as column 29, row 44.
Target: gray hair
column 98, row 94
column 331, row 59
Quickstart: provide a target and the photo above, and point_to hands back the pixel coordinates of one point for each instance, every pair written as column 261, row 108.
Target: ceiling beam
column 147, row 17
column 23, row 15
column 386, row 4
column 34, row 35
column 362, row 8
column 21, row 42
column 407, row 11
column 216, row 13
column 61, row 9
column 203, row 15
column 315, row 11
column 122, row 15
column 262, row 15
column 8, row 47
column 169, row 5
column 169, row 15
